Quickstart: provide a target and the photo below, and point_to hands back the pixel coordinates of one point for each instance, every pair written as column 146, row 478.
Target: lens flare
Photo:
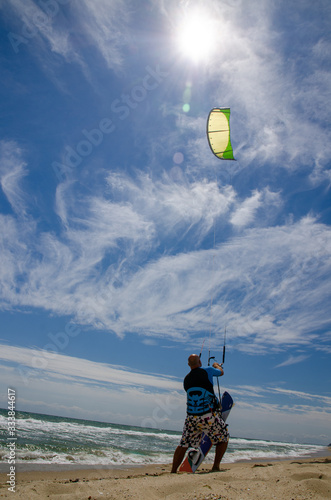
column 197, row 36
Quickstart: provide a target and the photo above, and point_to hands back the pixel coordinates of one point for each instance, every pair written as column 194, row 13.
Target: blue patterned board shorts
column 211, row 424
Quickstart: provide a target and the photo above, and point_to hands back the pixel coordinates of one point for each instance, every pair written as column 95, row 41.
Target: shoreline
column 49, row 467
column 299, row 478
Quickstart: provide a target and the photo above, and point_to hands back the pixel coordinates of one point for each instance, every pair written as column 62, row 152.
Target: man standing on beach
column 203, row 415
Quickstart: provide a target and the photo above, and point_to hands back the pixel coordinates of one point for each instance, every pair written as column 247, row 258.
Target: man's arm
column 218, row 367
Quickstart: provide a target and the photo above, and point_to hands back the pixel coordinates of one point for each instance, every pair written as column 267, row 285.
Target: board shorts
column 210, row 423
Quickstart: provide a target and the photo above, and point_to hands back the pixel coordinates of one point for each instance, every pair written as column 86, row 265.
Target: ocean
column 46, row 439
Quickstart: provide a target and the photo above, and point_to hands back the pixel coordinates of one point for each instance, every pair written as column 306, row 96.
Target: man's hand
column 218, row 367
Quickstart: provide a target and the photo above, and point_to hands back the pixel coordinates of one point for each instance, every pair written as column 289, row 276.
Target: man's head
column 194, row 361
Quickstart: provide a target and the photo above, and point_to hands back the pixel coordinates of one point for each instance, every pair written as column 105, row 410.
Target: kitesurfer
column 203, row 415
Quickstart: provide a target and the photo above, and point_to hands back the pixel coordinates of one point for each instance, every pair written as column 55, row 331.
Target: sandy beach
column 302, row 479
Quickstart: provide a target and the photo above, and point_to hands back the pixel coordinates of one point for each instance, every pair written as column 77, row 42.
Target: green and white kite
column 218, row 133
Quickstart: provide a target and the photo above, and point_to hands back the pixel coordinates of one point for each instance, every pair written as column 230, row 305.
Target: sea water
column 45, row 439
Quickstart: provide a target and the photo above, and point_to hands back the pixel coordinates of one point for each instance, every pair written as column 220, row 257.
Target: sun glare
column 197, row 37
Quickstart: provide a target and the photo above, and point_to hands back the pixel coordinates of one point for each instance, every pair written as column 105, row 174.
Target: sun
column 196, row 36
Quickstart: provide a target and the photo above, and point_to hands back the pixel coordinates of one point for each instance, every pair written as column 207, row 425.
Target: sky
column 126, row 245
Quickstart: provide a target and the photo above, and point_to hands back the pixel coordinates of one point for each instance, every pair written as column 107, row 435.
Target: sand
column 284, row 480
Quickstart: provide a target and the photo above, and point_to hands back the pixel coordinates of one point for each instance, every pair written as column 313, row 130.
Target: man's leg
column 178, row 457
column 220, row 450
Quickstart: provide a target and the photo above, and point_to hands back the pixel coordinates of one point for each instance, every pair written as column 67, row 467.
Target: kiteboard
column 194, row 458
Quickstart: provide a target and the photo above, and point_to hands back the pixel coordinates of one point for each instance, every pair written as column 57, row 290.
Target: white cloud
column 323, row 400
column 287, row 423
column 105, row 23
column 12, row 171
column 175, row 207
column 245, row 214
column 54, row 383
column 59, row 394
column 248, row 392
column 292, row 360
column 71, row 369
column 44, row 26
column 35, row 23
column 269, row 283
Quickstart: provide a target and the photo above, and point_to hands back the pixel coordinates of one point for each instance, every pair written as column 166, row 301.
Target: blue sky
column 119, row 228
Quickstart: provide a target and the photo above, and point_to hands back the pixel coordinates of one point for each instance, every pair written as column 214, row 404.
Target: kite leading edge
column 218, row 133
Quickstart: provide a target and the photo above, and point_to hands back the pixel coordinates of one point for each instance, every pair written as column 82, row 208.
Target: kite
column 218, row 133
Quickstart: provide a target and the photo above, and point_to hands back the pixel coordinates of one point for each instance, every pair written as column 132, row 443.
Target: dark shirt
column 198, row 385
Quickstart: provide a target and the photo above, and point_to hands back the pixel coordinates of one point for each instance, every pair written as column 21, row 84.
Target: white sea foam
column 64, row 428
column 55, row 440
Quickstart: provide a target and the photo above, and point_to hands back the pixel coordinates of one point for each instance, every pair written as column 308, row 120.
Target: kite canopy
column 218, row 133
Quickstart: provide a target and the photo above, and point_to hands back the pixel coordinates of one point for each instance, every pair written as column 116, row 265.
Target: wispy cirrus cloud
column 34, row 25
column 95, row 269
column 100, row 23
column 102, row 391
column 292, row 360
column 326, row 400
column 77, row 369
column 105, row 24
column 12, row 172
column 248, row 211
column 175, row 207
